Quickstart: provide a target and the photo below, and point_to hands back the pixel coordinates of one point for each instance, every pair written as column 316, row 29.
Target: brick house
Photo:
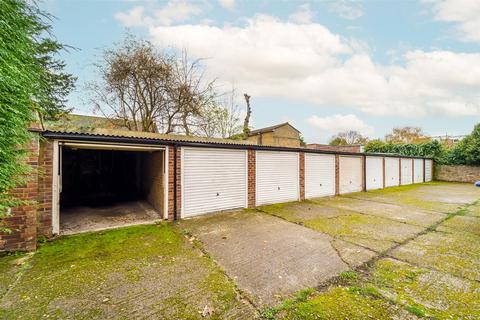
column 282, row 135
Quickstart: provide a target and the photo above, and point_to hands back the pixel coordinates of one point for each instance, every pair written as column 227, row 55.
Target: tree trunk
column 246, row 123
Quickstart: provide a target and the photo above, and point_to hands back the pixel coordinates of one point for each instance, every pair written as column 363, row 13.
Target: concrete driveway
column 268, row 257
column 280, row 249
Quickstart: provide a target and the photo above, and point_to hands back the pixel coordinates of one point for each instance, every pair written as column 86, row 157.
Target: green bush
column 32, row 83
column 467, row 151
column 430, row 149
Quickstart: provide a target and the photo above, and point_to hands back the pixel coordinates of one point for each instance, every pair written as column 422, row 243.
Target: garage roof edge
column 152, row 141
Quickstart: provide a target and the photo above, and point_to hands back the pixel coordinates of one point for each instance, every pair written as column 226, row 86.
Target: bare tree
column 246, row 123
column 407, row 135
column 150, row 90
column 348, row 138
column 221, row 118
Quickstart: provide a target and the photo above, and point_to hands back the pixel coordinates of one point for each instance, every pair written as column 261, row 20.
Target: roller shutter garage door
column 374, row 173
column 350, row 174
column 319, row 175
column 277, row 177
column 428, row 170
column 418, row 170
column 406, row 171
column 213, row 180
column 392, row 172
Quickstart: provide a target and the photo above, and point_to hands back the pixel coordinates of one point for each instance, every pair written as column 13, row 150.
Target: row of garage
column 217, row 179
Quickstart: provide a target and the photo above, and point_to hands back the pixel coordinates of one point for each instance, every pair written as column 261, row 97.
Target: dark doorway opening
column 110, row 188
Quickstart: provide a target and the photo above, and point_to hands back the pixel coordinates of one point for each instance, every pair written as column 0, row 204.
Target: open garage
column 103, row 187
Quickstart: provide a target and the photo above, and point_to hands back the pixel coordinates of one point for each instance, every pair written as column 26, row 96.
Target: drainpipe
column 175, row 182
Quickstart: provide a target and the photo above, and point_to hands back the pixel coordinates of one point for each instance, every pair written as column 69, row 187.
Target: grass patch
column 132, row 272
column 339, row 303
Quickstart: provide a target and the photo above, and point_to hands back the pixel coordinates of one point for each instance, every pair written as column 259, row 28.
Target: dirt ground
column 83, row 219
column 407, row 252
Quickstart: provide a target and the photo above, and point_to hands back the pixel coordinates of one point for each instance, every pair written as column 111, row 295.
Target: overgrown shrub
column 32, row 82
column 467, row 151
column 430, row 149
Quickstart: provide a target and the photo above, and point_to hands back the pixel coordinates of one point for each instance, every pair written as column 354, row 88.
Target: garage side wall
column 33, row 219
column 45, row 191
column 171, row 195
column 152, row 179
column 251, row 178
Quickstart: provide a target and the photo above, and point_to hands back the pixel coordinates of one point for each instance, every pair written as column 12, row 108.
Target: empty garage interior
column 103, row 188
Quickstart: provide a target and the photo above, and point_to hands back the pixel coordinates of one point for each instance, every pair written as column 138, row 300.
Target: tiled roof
column 271, row 128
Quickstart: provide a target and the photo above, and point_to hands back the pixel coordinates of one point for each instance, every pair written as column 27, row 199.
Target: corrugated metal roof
column 148, row 136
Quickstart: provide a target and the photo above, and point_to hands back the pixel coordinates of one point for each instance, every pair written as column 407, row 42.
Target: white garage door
column 392, row 172
column 406, row 171
column 213, row 180
column 319, row 175
column 418, row 171
column 350, row 174
column 428, row 170
column 374, row 173
column 277, row 177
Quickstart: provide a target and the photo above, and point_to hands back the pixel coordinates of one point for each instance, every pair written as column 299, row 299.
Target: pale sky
column 324, row 66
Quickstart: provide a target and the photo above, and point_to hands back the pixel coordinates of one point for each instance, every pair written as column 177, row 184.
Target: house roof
column 271, row 128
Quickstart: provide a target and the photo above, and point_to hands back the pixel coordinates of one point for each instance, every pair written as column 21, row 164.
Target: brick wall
column 399, row 171
column 170, row 183
column 301, row 157
column 383, row 173
column 337, row 174
column 45, row 193
column 152, row 179
column 251, row 178
column 457, row 173
column 364, row 177
column 22, row 222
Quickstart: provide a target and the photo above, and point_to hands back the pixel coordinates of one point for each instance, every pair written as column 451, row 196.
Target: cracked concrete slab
column 385, row 210
column 461, row 224
column 455, row 253
column 268, row 257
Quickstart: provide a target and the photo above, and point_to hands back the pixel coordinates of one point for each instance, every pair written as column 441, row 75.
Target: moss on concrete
column 461, row 224
column 142, row 271
column 427, row 293
column 456, row 253
column 11, row 267
column 341, row 303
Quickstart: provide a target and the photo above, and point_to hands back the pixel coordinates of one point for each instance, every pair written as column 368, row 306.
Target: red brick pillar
column 413, row 171
column 423, row 169
column 301, row 157
column 364, row 174
column 171, row 196
column 383, row 166
column 251, row 179
column 45, row 193
column 399, row 171
column 337, row 174
column 22, row 221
